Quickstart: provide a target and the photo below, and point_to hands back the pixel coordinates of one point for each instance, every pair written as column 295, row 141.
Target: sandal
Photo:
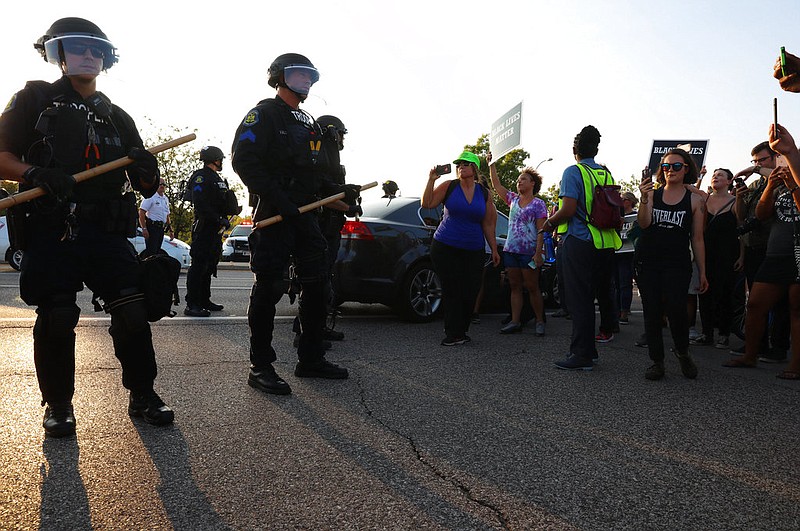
column 738, row 363
column 788, row 375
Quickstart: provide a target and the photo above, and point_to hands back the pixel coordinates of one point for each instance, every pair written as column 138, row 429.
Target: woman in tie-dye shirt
column 522, row 254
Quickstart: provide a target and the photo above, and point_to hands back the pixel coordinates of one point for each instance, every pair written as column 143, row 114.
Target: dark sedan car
column 385, row 258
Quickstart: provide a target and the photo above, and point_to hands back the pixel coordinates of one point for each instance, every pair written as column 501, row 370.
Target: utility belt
column 156, row 223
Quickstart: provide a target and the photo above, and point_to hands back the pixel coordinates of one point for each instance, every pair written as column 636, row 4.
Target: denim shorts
column 516, row 259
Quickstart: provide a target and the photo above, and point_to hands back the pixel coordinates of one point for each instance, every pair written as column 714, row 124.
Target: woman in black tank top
column 670, row 217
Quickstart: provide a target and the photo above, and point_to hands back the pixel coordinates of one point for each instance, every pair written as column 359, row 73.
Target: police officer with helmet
column 77, row 233
column 277, row 153
column 213, row 202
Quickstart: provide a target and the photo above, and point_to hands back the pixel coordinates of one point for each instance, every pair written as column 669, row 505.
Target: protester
column 276, row 154
column 670, row 217
column 588, row 252
column 154, row 220
column 213, row 202
column 78, row 233
column 778, row 272
column 722, row 251
column 458, row 244
column 524, row 248
column 754, row 237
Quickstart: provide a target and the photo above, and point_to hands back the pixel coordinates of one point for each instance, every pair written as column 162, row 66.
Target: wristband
column 27, row 173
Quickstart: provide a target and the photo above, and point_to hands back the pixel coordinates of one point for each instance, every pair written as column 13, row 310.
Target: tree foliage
column 508, row 168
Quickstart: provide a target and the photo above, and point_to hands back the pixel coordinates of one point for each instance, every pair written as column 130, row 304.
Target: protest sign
column 506, row 132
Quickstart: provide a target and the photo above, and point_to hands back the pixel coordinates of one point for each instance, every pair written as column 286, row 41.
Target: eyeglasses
column 676, row 166
column 758, row 162
column 80, row 49
column 462, row 163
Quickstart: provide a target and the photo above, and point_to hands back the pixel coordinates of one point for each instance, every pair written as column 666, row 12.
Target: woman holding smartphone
column 671, row 218
column 522, row 254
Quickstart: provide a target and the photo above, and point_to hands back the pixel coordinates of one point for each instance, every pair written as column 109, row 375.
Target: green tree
column 508, row 168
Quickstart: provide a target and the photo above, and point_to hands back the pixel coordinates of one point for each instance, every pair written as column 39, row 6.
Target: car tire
column 14, row 258
column 420, row 298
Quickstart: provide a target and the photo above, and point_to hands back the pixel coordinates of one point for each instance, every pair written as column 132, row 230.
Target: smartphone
column 738, row 181
column 775, row 114
column 646, row 174
column 783, row 61
column 532, row 264
column 441, row 169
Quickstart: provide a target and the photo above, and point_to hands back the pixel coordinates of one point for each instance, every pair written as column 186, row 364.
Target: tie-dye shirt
column 522, row 224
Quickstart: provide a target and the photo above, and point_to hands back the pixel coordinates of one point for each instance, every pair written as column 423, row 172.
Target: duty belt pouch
column 17, row 218
column 122, row 215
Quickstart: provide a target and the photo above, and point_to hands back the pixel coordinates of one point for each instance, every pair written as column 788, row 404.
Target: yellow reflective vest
column 602, row 238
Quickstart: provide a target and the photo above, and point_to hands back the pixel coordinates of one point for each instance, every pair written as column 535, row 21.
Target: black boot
column 59, row 420
column 320, row 369
column 267, row 380
column 214, row 307
column 150, row 407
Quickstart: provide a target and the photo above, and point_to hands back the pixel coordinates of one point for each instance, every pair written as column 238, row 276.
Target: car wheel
column 421, row 294
column 14, row 258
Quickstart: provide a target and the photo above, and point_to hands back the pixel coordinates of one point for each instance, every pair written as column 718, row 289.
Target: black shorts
column 777, row 270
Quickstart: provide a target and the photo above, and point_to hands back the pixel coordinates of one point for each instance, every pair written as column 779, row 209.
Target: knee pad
column 130, row 317
column 56, row 321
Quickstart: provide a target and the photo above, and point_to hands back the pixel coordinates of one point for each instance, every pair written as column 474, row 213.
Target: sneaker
column 773, row 355
column 688, row 368
column 59, row 420
column 603, row 337
column 540, row 328
column 560, row 313
column 214, row 307
column 737, row 351
column 332, row 335
column 655, row 371
column 624, row 318
column 267, row 380
column 693, row 333
column 453, row 341
column 722, row 343
column 475, row 319
column 574, row 363
column 702, row 340
column 149, row 406
column 320, row 369
column 642, row 341
column 511, row 328
column 196, row 311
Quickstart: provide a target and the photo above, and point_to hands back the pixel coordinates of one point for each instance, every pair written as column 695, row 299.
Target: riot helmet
column 293, row 71
column 390, row 188
column 334, row 128
column 78, row 46
column 211, row 154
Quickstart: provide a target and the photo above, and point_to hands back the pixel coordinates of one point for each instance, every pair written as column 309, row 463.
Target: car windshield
column 242, row 230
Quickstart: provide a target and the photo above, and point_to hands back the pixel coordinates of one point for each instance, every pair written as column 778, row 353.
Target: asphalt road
column 488, row 435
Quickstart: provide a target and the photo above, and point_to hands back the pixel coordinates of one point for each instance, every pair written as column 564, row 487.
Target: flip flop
column 788, row 375
column 737, row 363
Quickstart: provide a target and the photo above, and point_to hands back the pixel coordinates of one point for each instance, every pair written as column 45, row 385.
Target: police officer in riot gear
column 78, row 232
column 390, row 189
column 277, row 152
column 213, row 202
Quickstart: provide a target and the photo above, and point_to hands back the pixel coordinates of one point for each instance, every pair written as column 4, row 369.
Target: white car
column 12, row 256
column 236, row 248
column 176, row 248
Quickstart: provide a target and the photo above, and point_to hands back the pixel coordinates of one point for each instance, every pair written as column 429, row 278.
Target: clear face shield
column 80, row 54
column 299, row 78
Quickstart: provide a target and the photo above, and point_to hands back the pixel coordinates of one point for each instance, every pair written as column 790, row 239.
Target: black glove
column 354, row 211
column 288, row 210
column 58, row 183
column 224, row 223
column 351, row 192
column 143, row 172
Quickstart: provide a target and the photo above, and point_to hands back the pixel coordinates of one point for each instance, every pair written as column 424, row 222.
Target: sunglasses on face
column 676, row 166
column 80, row 49
column 462, row 163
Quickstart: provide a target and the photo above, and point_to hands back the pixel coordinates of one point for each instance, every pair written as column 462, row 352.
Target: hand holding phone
column 442, row 169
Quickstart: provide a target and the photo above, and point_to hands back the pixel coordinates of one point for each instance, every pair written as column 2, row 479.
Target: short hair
column 630, row 196
column 691, row 166
column 761, row 146
column 729, row 173
column 536, row 179
column 586, row 142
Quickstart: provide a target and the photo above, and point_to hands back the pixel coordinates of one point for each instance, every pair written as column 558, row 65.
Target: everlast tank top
column 666, row 240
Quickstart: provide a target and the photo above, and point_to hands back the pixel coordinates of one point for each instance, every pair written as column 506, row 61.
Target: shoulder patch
column 198, row 179
column 251, row 118
column 11, row 103
column 247, row 135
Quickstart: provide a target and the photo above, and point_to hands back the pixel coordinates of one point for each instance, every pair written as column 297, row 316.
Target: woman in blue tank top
column 458, row 244
column 670, row 218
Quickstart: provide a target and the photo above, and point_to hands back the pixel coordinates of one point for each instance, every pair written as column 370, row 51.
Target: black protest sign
column 696, row 148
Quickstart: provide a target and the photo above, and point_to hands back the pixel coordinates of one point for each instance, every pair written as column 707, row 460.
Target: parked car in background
column 8, row 253
column 177, row 249
column 384, row 257
column 236, row 248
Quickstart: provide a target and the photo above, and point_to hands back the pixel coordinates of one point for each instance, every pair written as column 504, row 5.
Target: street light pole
column 545, row 160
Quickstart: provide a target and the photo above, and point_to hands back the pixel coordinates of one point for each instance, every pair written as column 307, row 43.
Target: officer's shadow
column 64, row 498
column 185, row 503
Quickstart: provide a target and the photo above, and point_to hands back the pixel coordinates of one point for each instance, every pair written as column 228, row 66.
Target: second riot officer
column 213, row 202
column 77, row 233
column 277, row 153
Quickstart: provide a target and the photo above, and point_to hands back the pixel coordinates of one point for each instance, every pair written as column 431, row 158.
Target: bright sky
column 414, row 81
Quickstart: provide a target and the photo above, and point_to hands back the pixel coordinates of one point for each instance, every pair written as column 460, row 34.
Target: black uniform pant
column 155, row 233
column 460, row 271
column 271, row 249
column 205, row 253
column 663, row 288
column 53, row 271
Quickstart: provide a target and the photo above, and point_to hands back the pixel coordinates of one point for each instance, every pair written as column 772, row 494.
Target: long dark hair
column 691, row 166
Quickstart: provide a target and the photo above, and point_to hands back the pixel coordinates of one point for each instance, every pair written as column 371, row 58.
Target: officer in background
column 154, row 219
column 213, row 202
column 77, row 233
column 277, row 153
column 390, row 189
